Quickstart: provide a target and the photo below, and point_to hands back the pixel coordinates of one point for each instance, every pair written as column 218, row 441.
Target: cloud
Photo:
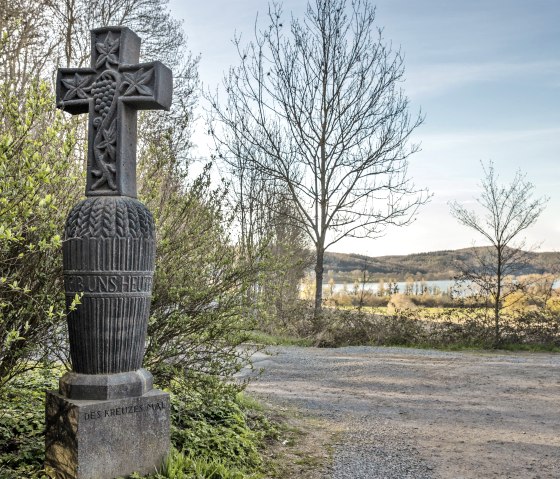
column 454, row 140
column 449, row 163
column 439, row 78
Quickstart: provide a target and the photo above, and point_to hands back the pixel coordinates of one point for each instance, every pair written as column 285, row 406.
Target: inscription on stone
column 133, row 282
column 124, row 410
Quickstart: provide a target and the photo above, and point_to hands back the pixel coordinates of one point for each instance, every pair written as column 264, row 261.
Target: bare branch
column 507, row 211
column 319, row 100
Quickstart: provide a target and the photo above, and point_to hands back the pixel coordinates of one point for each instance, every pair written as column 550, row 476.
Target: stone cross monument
column 106, row 420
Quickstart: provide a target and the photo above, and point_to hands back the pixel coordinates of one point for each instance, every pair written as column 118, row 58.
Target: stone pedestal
column 105, row 439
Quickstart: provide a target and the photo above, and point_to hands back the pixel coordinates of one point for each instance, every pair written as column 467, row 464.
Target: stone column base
column 105, row 439
column 105, row 386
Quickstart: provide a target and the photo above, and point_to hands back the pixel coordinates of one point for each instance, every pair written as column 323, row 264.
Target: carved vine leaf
column 104, row 176
column 109, row 140
column 77, row 87
column 107, row 51
column 136, row 82
column 105, row 156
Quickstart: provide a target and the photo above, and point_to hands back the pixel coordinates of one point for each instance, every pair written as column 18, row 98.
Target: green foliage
column 37, row 187
column 282, row 258
column 197, row 320
column 276, row 249
column 210, row 422
column 181, row 465
column 200, row 280
column 22, row 424
column 216, row 430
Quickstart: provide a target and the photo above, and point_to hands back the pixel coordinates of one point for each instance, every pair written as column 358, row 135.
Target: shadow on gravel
column 423, row 414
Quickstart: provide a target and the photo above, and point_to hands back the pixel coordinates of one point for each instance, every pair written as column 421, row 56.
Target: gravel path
column 422, row 414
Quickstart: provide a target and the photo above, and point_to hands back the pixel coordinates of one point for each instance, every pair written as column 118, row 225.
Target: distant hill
column 430, row 266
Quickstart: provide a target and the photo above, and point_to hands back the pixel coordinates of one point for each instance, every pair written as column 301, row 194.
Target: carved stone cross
column 108, row 256
column 112, row 90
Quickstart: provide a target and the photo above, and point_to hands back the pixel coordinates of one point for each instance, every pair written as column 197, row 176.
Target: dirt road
column 407, row 413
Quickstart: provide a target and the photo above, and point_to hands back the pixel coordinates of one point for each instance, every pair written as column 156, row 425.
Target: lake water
column 440, row 285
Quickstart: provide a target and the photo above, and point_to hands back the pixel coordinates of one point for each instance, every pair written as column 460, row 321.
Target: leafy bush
column 209, row 422
column 200, row 281
column 38, row 184
column 22, row 424
column 180, row 465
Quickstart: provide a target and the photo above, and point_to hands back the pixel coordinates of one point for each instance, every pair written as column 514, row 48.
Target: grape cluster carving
column 103, row 91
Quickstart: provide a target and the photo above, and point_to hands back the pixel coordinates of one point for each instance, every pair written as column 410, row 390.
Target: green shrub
column 38, row 184
column 180, row 465
column 216, row 432
column 22, row 424
column 209, row 422
column 196, row 316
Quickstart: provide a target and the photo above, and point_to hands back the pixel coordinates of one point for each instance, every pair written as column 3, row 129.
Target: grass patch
column 183, row 465
column 533, row 348
column 217, row 433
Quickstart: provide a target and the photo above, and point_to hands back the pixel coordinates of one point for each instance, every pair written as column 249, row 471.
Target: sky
column 486, row 75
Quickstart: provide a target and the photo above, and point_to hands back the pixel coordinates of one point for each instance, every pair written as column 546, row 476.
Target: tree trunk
column 319, row 285
column 498, row 301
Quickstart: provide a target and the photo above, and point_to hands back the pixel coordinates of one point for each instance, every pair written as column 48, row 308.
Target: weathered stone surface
column 106, row 439
column 111, row 91
column 109, row 258
column 105, row 386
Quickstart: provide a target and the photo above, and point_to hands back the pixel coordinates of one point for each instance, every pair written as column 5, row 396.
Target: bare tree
column 317, row 106
column 507, row 211
column 267, row 238
column 25, row 42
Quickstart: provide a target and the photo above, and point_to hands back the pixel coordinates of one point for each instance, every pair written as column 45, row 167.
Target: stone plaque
column 106, row 439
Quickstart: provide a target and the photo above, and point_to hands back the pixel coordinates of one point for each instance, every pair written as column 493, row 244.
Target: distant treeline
column 437, row 265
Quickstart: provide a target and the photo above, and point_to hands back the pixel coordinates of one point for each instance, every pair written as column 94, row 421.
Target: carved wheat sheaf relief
column 108, row 217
